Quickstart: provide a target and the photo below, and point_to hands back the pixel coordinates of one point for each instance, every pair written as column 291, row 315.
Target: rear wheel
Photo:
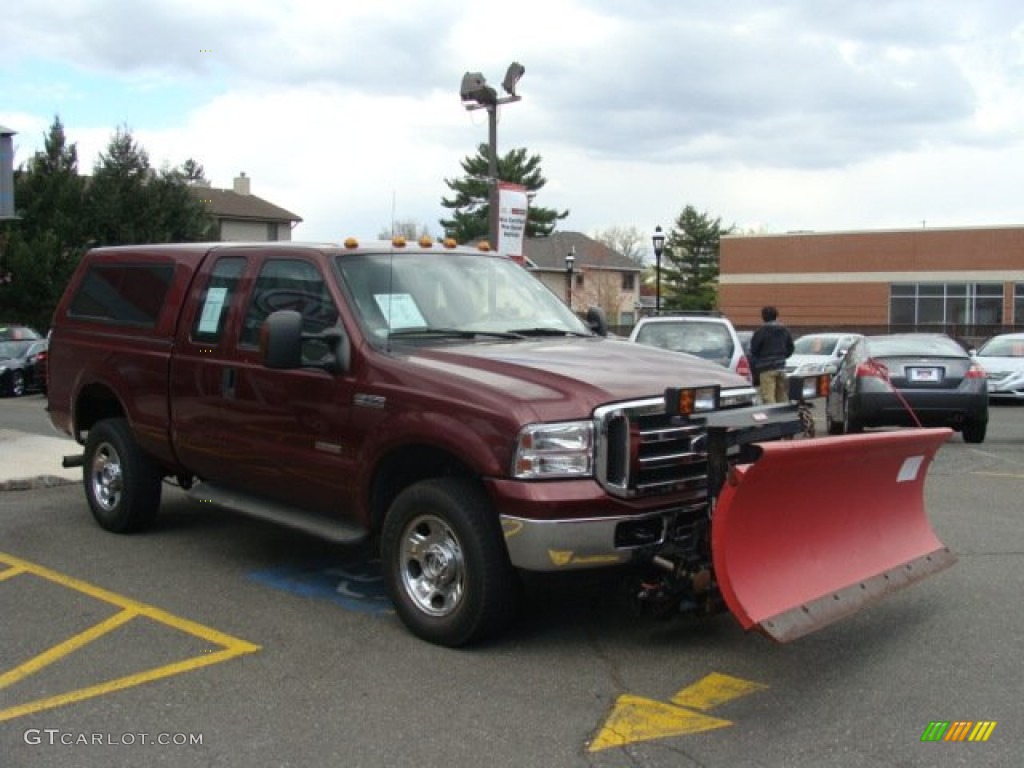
column 832, row 426
column 974, row 431
column 851, row 424
column 445, row 562
column 122, row 484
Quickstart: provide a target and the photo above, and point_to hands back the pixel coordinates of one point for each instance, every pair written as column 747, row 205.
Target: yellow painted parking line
column 713, row 690
column 634, row 718
column 231, row 647
column 7, row 573
column 1014, row 475
column 59, row 651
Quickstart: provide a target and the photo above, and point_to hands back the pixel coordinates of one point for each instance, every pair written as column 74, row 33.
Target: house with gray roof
column 242, row 216
column 600, row 276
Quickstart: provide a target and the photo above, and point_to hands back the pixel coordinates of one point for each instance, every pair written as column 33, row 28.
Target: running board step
column 276, row 512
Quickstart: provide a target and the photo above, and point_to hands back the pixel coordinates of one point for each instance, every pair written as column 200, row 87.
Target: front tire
column 445, row 563
column 122, row 484
column 17, row 384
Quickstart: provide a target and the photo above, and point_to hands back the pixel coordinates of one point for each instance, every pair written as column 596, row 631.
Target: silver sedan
column 1002, row 357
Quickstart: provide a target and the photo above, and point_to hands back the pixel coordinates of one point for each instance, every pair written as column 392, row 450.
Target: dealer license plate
column 925, row 374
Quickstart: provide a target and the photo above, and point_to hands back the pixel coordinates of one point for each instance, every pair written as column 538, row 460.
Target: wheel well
column 405, row 466
column 95, row 403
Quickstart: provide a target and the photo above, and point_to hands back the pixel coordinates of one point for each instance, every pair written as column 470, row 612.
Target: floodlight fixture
column 475, row 88
column 512, row 76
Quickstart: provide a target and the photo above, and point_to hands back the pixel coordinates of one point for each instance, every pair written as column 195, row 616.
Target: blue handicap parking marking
column 356, row 585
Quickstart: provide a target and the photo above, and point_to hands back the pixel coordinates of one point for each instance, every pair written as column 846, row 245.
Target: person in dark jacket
column 770, row 345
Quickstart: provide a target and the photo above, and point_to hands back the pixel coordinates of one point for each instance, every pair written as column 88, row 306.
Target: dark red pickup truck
column 438, row 399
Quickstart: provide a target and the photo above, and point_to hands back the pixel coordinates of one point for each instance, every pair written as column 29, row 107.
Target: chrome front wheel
column 432, row 566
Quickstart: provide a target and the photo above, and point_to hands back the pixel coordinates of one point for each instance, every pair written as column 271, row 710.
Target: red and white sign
column 512, row 207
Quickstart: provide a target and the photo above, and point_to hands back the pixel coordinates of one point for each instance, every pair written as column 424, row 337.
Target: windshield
column 932, row 346
column 1005, row 347
column 415, row 294
column 712, row 341
column 11, row 349
column 815, row 345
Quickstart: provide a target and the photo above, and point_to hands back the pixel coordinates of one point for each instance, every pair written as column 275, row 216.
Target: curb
column 34, row 483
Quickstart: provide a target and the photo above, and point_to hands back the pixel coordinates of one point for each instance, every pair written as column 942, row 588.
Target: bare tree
column 410, row 229
column 627, row 241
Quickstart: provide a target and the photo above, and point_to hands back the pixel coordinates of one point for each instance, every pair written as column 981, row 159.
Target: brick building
column 966, row 282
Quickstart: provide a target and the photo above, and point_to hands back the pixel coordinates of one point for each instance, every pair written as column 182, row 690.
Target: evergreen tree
column 471, row 203
column 689, row 264
column 40, row 250
column 60, row 215
column 129, row 202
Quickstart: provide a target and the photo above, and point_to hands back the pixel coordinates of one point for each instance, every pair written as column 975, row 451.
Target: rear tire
column 851, row 424
column 831, row 426
column 122, row 484
column 974, row 431
column 446, row 566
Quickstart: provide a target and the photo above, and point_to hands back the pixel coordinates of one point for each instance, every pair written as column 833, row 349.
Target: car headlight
column 554, row 450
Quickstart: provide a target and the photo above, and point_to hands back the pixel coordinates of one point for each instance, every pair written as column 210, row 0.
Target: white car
column 1002, row 357
column 819, row 353
column 709, row 335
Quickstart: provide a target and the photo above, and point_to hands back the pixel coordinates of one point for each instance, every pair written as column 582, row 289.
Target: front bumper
column 558, row 545
column 1009, row 385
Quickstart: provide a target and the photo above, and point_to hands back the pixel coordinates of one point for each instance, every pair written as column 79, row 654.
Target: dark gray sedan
column 908, row 380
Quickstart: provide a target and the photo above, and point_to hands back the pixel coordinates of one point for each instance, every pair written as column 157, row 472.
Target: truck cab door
column 282, row 434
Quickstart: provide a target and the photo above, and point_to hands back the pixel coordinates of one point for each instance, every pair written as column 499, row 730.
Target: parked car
column 707, row 335
column 20, row 363
column 17, row 332
column 912, row 379
column 745, row 337
column 1002, row 357
column 819, row 352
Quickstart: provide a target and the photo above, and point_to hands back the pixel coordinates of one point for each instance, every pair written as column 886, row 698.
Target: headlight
column 555, row 450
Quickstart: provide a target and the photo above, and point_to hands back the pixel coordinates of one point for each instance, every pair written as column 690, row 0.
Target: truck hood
column 588, row 371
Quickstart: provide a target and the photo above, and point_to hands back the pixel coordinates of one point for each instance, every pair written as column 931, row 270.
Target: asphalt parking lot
column 215, row 640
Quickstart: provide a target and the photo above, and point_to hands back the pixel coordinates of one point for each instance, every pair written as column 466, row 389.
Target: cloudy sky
column 775, row 116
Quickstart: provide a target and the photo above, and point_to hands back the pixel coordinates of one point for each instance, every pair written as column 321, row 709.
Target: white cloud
column 801, row 114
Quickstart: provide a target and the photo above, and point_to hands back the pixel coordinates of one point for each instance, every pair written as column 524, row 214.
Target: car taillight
column 872, row 369
column 975, row 372
column 743, row 367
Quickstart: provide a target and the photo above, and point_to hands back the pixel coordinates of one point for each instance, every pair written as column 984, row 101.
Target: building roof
column 228, row 204
column 548, row 253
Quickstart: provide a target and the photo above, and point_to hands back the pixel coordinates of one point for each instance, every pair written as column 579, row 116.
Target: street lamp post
column 658, row 240
column 570, row 261
column 475, row 89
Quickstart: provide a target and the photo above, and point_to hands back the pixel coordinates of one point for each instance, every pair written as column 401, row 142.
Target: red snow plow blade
column 816, row 529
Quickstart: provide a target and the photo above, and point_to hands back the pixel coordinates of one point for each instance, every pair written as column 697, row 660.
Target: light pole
column 570, row 261
column 658, row 240
column 475, row 89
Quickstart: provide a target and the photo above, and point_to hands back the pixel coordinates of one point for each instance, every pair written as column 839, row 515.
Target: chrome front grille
column 641, row 453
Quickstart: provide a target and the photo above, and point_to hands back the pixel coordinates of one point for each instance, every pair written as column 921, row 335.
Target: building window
column 628, row 281
column 1018, row 304
column 940, row 304
column 271, row 230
